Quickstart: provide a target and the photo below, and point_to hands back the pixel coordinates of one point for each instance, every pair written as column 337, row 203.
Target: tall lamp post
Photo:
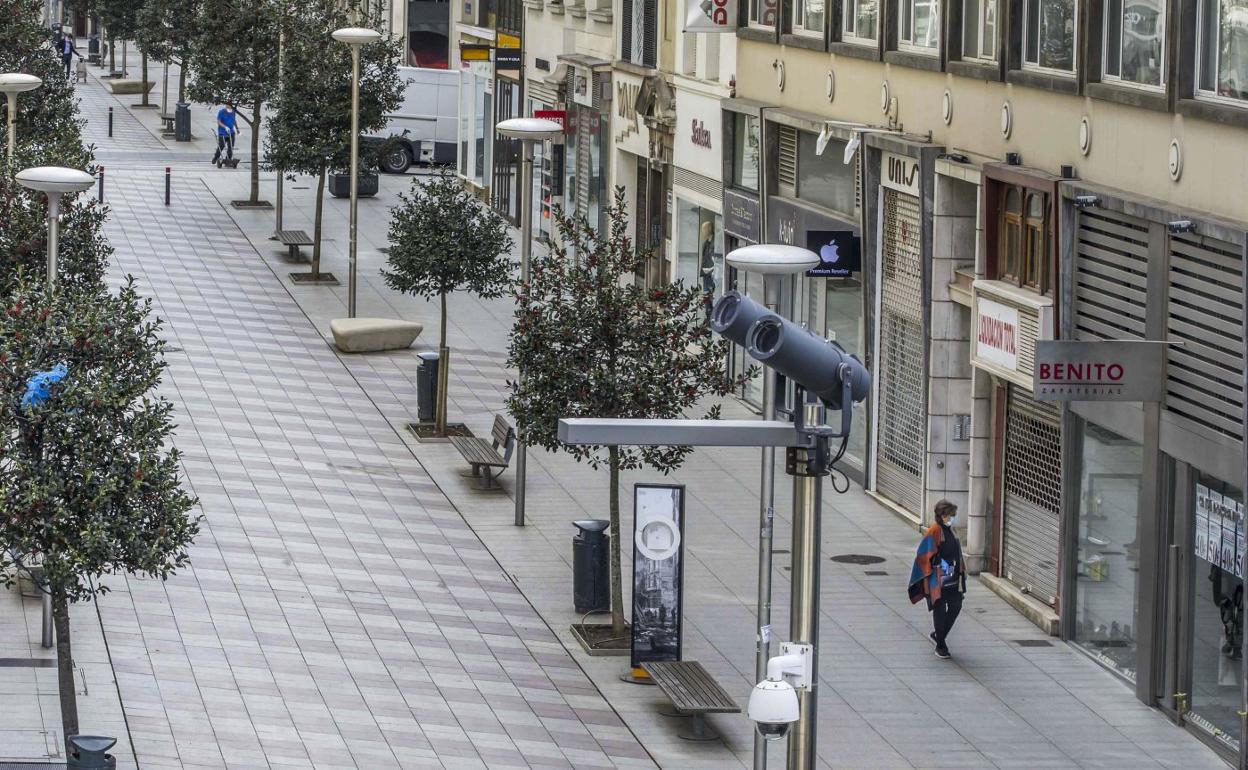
column 12, row 84
column 354, row 37
column 772, row 262
column 529, row 131
column 54, row 181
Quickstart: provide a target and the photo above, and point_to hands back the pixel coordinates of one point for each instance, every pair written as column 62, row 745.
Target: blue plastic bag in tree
column 38, row 386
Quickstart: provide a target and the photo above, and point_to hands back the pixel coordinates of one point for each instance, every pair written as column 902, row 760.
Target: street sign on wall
column 658, row 548
column 1103, row 370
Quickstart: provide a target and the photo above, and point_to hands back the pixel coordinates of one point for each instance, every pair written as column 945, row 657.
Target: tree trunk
column 255, row 151
column 316, row 227
column 617, row 580
column 112, row 55
column 182, row 80
column 144, row 67
column 444, row 374
column 65, row 665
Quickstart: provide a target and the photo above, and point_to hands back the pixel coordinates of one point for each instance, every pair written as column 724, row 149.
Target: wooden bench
column 693, row 693
column 168, row 119
column 483, row 455
column 293, row 239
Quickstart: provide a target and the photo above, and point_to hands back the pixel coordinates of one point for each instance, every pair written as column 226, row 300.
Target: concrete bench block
column 369, row 335
column 129, row 86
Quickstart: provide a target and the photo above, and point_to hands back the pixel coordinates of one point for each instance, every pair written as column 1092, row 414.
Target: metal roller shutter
column 901, row 439
column 1031, row 507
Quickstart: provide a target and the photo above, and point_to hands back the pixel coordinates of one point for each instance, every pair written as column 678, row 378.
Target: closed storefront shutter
column 900, row 440
column 1111, row 276
column 1204, row 375
column 584, row 171
column 1032, row 501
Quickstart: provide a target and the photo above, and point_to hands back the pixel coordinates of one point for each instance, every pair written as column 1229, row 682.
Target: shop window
column 1049, row 32
column 700, row 247
column 808, row 17
column 861, row 21
column 824, row 179
column 763, row 13
column 1106, row 602
column 1222, row 49
column 745, row 151
column 428, row 29
column 979, row 29
column 1022, row 248
column 1135, row 41
column 1217, row 615
column 843, row 323
column 918, row 24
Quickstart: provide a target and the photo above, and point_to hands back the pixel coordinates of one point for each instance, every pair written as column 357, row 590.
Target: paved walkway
column 353, row 601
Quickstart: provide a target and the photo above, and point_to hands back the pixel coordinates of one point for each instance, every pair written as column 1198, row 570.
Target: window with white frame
column 1049, row 31
column 763, row 12
column 979, row 29
column 861, row 21
column 808, row 17
column 1222, row 49
column 1135, row 41
column 918, row 24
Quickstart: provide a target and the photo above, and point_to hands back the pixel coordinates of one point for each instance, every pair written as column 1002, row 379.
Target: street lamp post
column 12, row 84
column 354, row 37
column 54, row 181
column 529, row 131
column 772, row 261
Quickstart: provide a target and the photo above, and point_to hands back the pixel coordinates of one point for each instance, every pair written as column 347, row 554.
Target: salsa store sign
column 1073, row 370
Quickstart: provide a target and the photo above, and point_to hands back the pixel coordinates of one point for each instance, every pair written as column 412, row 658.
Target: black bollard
column 110, row 122
column 101, row 184
column 166, row 185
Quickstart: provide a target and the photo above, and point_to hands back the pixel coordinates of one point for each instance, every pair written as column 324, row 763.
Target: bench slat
column 477, row 451
column 294, row 238
column 690, row 687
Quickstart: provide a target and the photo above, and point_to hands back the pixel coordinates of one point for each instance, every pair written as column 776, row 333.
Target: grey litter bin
column 591, row 578
column 182, row 122
column 427, row 386
column 90, row 752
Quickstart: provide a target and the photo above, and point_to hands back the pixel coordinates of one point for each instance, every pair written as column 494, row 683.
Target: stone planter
column 340, row 184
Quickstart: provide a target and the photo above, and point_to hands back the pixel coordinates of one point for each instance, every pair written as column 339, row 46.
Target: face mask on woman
column 949, row 522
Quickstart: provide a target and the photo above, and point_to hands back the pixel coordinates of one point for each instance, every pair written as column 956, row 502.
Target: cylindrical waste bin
column 591, row 576
column 93, row 49
column 90, row 752
column 182, row 122
column 427, row 386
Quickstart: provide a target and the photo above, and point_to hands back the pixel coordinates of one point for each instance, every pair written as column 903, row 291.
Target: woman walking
column 939, row 575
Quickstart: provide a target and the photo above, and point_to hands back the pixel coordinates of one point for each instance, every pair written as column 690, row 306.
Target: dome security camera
column 773, row 708
column 773, row 702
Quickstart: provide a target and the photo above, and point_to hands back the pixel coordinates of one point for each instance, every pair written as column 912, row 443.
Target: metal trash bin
column 427, row 386
column 182, row 122
column 93, row 49
column 90, row 752
column 591, row 575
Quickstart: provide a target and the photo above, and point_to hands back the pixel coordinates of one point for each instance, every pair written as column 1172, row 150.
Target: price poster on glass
column 1213, row 553
column 1228, row 534
column 1239, row 540
column 1202, row 521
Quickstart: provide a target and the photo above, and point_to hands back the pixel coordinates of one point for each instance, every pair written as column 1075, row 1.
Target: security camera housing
column 773, row 708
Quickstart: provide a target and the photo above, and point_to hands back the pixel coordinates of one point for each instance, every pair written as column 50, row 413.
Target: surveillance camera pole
column 767, row 513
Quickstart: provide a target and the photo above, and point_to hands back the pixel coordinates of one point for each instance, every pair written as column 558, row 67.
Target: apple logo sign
column 829, row 254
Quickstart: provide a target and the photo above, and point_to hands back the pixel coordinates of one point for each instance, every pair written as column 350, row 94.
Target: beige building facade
column 1002, row 174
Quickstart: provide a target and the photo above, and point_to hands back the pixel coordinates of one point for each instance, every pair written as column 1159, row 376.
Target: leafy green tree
column 590, row 342
column 166, row 30
column 87, row 481
column 311, row 131
column 48, row 127
column 443, row 239
column 121, row 21
column 234, row 61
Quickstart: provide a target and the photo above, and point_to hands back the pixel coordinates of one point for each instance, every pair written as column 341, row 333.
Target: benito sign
column 1109, row 370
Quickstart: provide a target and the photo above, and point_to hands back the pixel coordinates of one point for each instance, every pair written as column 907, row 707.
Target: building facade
column 1013, row 173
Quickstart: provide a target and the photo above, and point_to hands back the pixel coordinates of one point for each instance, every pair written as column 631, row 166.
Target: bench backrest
column 504, row 436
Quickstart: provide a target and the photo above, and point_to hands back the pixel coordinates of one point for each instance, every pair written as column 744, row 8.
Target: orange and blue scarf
column 925, row 574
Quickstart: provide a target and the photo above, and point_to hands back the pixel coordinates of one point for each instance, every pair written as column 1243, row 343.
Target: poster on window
column 1202, row 521
column 1213, row 553
column 1239, row 540
column 658, row 548
column 710, row 15
column 1228, row 535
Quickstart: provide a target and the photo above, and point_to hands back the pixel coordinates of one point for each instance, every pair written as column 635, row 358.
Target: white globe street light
column 354, row 37
column 529, row 131
column 12, row 84
column 55, row 182
column 769, row 260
